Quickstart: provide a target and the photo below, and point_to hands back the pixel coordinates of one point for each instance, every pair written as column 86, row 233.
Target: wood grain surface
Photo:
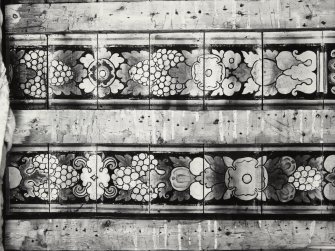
column 169, row 15
column 110, row 234
column 173, row 127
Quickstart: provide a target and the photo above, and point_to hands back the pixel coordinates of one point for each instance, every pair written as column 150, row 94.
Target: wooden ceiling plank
column 173, row 127
column 168, row 15
column 130, row 234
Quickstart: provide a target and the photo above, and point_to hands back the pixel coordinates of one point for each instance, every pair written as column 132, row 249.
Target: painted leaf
column 65, row 159
column 287, row 193
column 181, row 72
column 270, row 193
column 302, row 160
column 192, row 89
column 124, row 160
column 315, row 194
column 331, row 178
column 15, row 194
column 243, row 72
column 181, row 161
column 302, row 197
column 192, row 57
column 124, row 195
column 217, row 164
column 228, row 194
column 134, row 57
column 217, row 192
column 68, row 57
column 181, row 196
column 135, row 89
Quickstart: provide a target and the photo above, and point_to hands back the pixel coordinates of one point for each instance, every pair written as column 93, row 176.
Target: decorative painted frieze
column 170, row 70
column 164, row 179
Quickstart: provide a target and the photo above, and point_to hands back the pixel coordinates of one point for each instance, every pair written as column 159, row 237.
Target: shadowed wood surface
column 109, row 234
column 169, row 15
column 177, row 127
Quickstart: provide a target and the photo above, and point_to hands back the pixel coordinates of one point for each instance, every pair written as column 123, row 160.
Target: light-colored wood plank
column 112, row 234
column 178, row 127
column 169, row 15
column 47, row 1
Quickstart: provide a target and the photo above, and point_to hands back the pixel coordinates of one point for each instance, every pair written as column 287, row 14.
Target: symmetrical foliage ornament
column 285, row 72
column 143, row 178
column 289, row 72
column 102, row 73
column 94, row 177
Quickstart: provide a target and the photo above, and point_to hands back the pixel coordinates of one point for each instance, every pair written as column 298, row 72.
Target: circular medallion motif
column 102, row 71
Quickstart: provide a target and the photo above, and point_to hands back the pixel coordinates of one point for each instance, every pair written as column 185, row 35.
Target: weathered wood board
column 173, row 127
column 169, row 15
column 110, row 234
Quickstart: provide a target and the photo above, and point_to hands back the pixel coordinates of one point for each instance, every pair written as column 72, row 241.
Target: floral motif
column 102, row 73
column 217, row 73
column 208, row 72
column 246, row 178
column 237, row 73
column 231, row 60
column 229, row 87
column 94, row 176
